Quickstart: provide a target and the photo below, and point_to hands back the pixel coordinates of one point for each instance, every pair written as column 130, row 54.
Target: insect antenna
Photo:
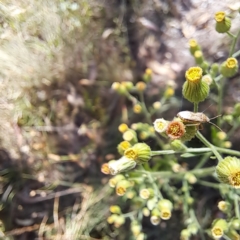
column 215, row 117
column 216, row 125
column 207, row 108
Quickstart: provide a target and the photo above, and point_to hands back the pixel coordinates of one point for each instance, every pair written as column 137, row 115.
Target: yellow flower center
column 194, row 74
column 123, row 127
column 148, row 71
column 193, row 43
column 125, row 145
column 198, row 54
column 165, row 215
column 234, row 179
column 217, row 232
column 137, row 108
column 145, row 194
column 231, row 62
column 220, row 16
column 131, row 154
column 121, row 191
column 105, row 168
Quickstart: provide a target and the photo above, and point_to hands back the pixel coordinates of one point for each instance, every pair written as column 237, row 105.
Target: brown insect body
column 196, row 118
column 192, row 117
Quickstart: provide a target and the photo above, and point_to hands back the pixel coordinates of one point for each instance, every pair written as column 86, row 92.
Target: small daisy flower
column 160, row 125
column 175, row 129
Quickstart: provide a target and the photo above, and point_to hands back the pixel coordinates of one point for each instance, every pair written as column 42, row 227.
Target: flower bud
column 128, row 85
column 105, row 169
column 177, row 145
column 160, row 125
column 123, row 146
column 193, row 45
column 146, row 193
column 165, row 204
column 236, row 110
column 224, row 206
column 194, row 89
column 130, row 136
column 198, row 55
column 123, row 127
column 219, row 227
column 111, row 219
column 230, row 67
column 228, row 171
column 119, row 221
column 208, row 79
column 124, row 164
column 147, row 75
column 114, row 180
column 223, row 23
column 122, row 187
column 235, row 224
column 115, row 209
column 214, row 70
column 141, row 86
column 185, row 234
column 169, row 92
column 137, row 108
column 140, row 153
column 146, row 212
column 155, row 220
column 116, row 86
column 190, row 178
column 157, row 105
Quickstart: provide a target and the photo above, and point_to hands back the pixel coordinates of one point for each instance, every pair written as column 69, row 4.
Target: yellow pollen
column 220, row 16
column 105, row 168
column 194, row 74
column 235, row 179
column 231, row 62
column 121, row 190
column 193, row 43
column 129, row 153
column 125, row 145
column 198, row 54
column 148, row 71
column 217, row 231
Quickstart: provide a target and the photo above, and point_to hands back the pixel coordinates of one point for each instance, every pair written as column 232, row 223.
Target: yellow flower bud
column 105, row 169
column 194, row 89
column 122, row 187
column 223, row 23
column 141, row 86
column 140, row 153
column 208, row 79
column 230, row 67
column 224, row 206
column 123, row 146
column 146, row 193
column 137, row 108
column 157, row 105
column 114, row 180
column 198, row 55
column 155, row 220
column 115, row 209
column 219, row 227
column 130, row 136
column 123, row 127
column 228, row 171
column 193, row 46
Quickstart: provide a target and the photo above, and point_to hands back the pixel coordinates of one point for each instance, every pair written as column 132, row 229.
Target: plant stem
column 236, row 206
column 196, row 150
column 208, row 144
column 193, row 216
column 202, row 172
column 203, row 160
column 195, row 107
column 220, row 99
column 235, row 38
column 209, row 184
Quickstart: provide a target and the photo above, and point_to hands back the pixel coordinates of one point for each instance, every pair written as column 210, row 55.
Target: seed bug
column 196, row 118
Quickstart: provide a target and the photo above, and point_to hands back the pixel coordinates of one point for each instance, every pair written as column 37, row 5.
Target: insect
column 196, row 118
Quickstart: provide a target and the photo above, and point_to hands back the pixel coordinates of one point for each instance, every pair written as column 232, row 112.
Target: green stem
column 236, row 206
column 220, row 99
column 203, row 161
column 234, row 43
column 208, row 144
column 193, row 216
column 202, row 172
column 186, row 196
column 209, row 184
column 197, row 150
column 226, row 237
column 236, row 54
column 231, row 35
column 195, row 107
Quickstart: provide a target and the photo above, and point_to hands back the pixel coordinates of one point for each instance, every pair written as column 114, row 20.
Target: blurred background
column 59, row 115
